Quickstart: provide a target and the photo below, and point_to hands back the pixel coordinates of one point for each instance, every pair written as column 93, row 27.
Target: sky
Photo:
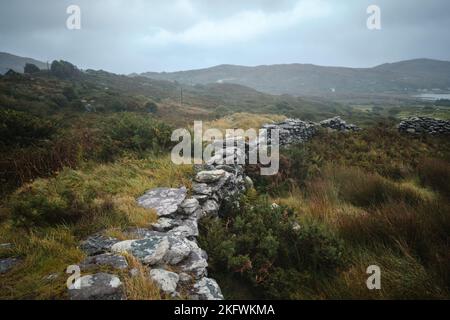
column 125, row 36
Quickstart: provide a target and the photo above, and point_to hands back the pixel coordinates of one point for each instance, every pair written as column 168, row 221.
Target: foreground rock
column 164, row 200
column 100, row 286
column 7, row 264
column 207, row 289
column 424, row 125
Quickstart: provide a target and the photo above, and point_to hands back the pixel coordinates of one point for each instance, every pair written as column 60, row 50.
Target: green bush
column 262, row 245
column 20, row 128
column 135, row 132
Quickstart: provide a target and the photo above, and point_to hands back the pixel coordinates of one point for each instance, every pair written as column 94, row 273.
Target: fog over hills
column 308, row 79
column 16, row 63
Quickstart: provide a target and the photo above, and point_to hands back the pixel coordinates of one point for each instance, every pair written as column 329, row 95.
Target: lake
column 433, row 96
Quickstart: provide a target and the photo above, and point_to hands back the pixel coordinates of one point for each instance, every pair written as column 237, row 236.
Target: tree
column 31, row 68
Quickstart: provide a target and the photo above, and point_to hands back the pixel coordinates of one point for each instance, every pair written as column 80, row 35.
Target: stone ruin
column 424, row 125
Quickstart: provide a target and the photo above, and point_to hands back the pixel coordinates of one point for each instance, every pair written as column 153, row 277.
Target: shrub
column 261, row 244
column 63, row 69
column 31, row 68
column 22, row 129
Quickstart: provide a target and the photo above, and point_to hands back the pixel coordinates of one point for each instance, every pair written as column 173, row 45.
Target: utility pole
column 181, row 95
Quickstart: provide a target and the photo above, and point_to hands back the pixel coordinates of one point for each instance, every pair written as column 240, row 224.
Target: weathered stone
column 97, row 244
column 7, row 264
column 179, row 250
column 211, row 208
column 196, row 263
column 202, row 188
column 164, row 224
column 187, row 229
column 164, row 200
column 6, row 246
column 100, row 286
column 207, row 289
column 185, row 277
column 106, row 259
column 190, row 206
column 148, row 250
column 167, row 281
column 209, row 176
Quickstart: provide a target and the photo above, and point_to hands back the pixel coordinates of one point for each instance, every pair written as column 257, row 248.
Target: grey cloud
column 137, row 35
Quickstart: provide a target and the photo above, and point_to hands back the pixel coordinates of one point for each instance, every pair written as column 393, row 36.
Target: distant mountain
column 16, row 63
column 308, row 79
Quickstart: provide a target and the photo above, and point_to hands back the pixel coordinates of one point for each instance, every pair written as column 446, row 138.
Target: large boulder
column 165, row 201
column 100, row 286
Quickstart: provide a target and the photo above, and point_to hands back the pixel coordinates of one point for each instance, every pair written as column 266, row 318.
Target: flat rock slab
column 209, row 176
column 106, row 259
column 7, row 264
column 164, row 200
column 148, row 250
column 100, row 286
column 97, row 244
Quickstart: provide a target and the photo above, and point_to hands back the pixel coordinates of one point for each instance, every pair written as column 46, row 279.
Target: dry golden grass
column 243, row 121
column 140, row 286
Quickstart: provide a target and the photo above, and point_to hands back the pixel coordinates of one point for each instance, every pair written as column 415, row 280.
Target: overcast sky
column 127, row 36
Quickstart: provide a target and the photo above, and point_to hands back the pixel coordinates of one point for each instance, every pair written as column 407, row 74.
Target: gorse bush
column 267, row 247
column 22, row 129
column 136, row 132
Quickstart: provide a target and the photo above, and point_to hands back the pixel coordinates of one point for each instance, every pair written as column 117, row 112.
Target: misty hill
column 16, row 63
column 308, row 79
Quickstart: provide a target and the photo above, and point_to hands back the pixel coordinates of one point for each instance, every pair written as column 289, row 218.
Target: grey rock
column 148, row 250
column 97, row 244
column 106, row 259
column 207, row 289
column 211, row 208
column 167, row 281
column 179, row 249
column 164, row 200
column 196, row 263
column 7, row 264
column 100, row 286
column 6, row 246
column 190, row 206
column 202, row 188
column 209, row 176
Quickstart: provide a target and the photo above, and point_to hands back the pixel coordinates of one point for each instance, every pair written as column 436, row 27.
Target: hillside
column 16, row 63
column 308, row 79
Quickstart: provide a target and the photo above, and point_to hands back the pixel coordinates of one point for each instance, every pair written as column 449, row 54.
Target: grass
column 108, row 191
column 243, row 121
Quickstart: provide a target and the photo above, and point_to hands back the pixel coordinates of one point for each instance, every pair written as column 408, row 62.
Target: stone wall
column 298, row 131
column 424, row 125
column 169, row 247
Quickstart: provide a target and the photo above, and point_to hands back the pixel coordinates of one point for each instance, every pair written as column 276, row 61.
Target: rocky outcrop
column 168, row 247
column 424, row 125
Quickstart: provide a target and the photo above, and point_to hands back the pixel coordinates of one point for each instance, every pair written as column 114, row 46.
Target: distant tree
column 151, row 107
column 31, row 68
column 63, row 69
